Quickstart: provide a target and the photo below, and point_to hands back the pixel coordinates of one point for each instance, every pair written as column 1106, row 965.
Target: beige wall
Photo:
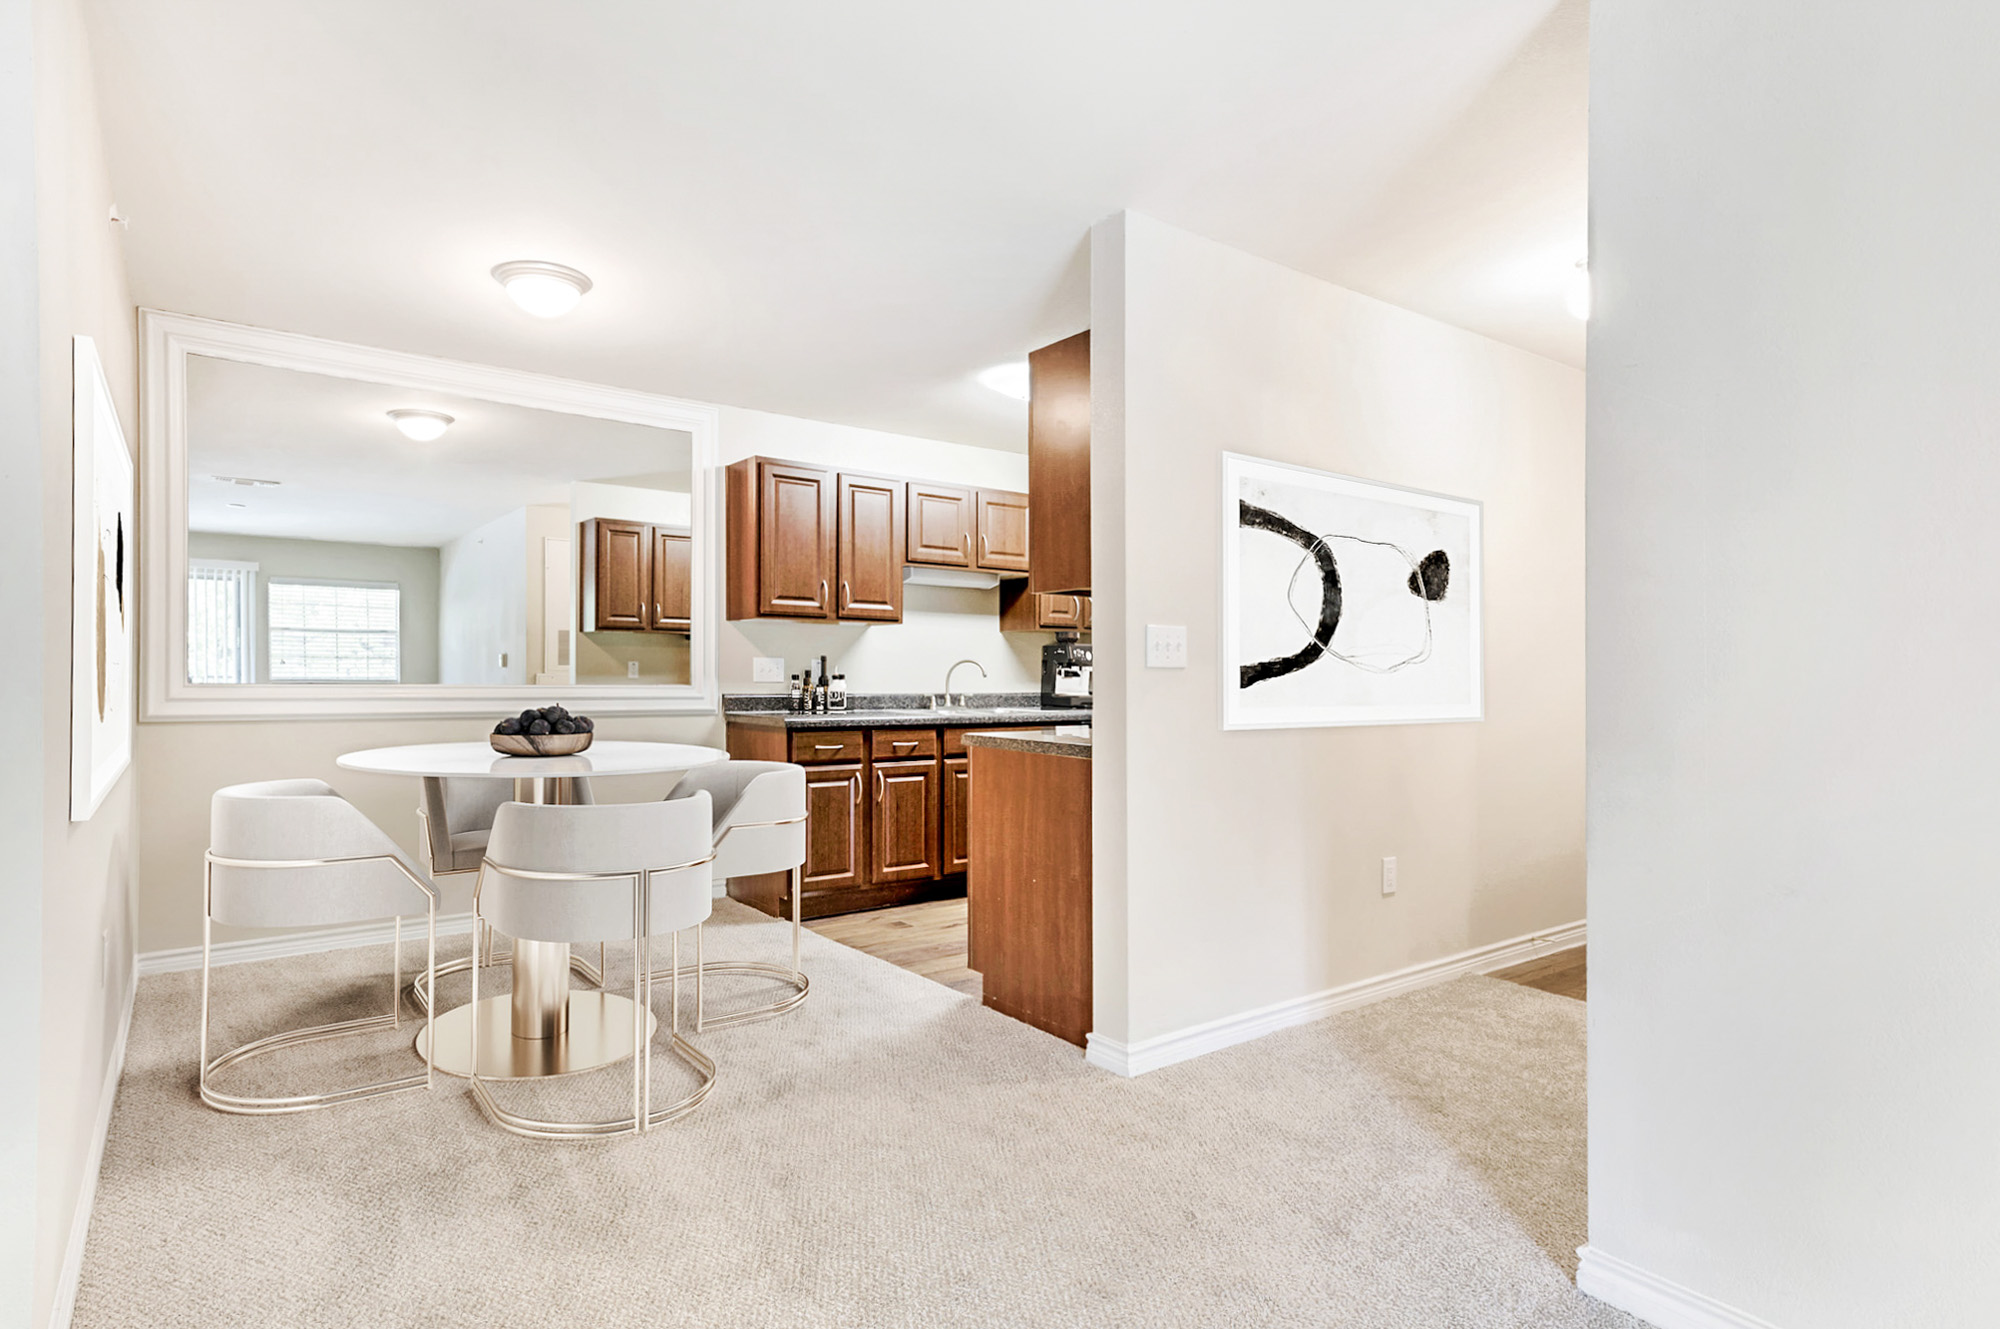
column 1237, row 870
column 183, row 763
column 88, row 869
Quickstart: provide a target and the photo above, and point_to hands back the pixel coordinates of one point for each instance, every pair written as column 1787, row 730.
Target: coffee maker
column 1066, row 673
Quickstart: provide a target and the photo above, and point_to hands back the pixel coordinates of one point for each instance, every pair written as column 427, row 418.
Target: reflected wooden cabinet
column 1059, row 465
column 635, row 577
column 870, row 560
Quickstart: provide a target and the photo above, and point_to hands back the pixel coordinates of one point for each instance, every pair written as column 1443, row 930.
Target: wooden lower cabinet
column 905, row 836
column 956, row 850
column 888, row 815
column 836, row 834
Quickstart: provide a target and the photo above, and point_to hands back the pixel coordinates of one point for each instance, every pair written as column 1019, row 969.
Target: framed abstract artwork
column 1346, row 602
column 102, row 691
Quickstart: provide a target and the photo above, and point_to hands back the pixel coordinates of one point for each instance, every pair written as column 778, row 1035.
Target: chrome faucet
column 947, row 682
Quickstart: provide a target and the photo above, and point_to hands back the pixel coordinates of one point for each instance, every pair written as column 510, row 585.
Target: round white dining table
column 541, row 1027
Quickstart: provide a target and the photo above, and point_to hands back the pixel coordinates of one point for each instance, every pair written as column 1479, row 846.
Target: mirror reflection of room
column 349, row 532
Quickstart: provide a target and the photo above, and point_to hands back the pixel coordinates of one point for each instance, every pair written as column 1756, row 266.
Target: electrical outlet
column 1166, row 646
column 503, row 659
column 767, row 669
column 1389, row 876
column 631, row 669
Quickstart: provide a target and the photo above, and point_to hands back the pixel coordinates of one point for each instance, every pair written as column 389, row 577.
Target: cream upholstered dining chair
column 618, row 872
column 759, row 826
column 295, row 854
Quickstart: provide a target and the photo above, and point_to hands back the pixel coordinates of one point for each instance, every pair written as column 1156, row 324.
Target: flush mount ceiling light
column 1576, row 290
column 421, row 426
column 1007, row 380
column 546, row 290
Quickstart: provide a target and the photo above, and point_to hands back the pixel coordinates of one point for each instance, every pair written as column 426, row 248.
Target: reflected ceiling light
column 246, row 481
column 239, row 505
column 546, row 290
column 421, row 426
column 1007, row 380
column 1576, row 290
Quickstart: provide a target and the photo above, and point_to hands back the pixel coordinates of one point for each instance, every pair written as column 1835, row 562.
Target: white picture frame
column 1346, row 601
column 103, row 589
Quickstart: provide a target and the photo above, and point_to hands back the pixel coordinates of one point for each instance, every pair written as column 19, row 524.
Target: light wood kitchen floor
column 929, row 939
column 926, row 938
column 1563, row 973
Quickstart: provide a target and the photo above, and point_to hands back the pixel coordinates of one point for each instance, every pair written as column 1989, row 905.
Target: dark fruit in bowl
column 510, row 725
column 546, row 731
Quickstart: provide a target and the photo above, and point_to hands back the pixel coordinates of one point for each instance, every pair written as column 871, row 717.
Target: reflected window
column 221, row 621
column 335, row 632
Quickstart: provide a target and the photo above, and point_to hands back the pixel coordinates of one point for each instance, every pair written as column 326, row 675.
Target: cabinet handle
column 903, row 742
column 881, row 786
column 822, row 592
column 846, row 595
column 856, row 782
column 983, row 551
column 968, row 546
column 828, row 747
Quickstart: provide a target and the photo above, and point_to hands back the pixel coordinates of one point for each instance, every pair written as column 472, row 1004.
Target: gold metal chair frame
column 794, row 976
column 643, row 1117
column 249, row 1106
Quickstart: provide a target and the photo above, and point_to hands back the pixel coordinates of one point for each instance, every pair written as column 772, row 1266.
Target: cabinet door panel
column 795, row 524
column 954, row 827
column 905, row 821
column 1061, row 611
column 672, row 592
column 836, row 839
column 940, row 531
column 871, row 549
column 620, row 576
column 1003, row 531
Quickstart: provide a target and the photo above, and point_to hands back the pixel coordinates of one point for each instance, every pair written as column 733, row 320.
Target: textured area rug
column 891, row 1154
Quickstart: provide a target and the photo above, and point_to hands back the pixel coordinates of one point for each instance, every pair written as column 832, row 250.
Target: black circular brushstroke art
column 1263, row 519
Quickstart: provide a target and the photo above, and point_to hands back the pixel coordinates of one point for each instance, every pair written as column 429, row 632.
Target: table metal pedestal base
column 600, row 1034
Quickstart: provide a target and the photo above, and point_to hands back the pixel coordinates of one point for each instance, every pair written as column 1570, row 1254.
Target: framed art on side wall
column 102, row 588
column 1346, row 602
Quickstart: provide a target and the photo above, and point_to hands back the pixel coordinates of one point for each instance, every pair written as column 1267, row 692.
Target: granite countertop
column 1057, row 742
column 901, row 710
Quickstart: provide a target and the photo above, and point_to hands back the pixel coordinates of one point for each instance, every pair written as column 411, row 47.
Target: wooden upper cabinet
column 941, row 520
column 617, row 575
column 673, row 598
column 1059, row 466
column 1003, row 531
column 1023, row 610
column 781, row 539
column 870, row 563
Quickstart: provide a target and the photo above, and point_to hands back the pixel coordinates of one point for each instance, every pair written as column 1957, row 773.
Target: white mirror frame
column 167, row 340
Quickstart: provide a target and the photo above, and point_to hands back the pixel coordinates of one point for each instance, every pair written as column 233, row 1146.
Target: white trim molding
column 1658, row 1301
column 166, row 341
column 70, row 1276
column 1164, row 1050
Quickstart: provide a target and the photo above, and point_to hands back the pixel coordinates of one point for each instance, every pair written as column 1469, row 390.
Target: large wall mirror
column 334, row 530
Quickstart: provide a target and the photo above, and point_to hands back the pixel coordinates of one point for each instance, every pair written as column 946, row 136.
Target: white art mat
column 1346, row 602
column 103, row 588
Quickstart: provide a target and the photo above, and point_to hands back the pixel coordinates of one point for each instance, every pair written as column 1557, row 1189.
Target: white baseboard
column 71, row 1273
column 1658, row 1301
column 378, row 933
column 1164, row 1050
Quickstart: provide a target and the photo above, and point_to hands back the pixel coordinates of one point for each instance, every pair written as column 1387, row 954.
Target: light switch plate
column 1166, row 646
column 631, row 669
column 767, row 669
column 1389, row 876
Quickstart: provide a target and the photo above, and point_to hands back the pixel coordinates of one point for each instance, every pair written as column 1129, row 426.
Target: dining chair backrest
column 759, row 814
column 458, row 815
column 586, row 858
column 302, row 824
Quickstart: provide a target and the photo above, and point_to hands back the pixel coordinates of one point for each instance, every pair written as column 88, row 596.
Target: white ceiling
column 838, row 211
column 346, row 473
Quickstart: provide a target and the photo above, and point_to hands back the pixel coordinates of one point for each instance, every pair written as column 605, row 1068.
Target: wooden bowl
column 540, row 745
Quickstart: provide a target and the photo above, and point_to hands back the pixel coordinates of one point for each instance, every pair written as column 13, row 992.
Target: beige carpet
column 890, row 1155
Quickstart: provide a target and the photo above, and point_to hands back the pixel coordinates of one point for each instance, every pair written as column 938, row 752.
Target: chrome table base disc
column 600, row 1034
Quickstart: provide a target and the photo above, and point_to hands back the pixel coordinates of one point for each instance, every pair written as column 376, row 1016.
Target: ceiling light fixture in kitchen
column 421, row 426
column 546, row 290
